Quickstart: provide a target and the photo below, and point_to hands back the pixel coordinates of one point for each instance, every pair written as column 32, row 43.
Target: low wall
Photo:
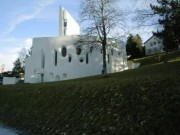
column 133, row 65
column 10, row 80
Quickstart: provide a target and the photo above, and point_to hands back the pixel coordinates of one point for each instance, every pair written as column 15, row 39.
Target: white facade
column 153, row 46
column 57, row 58
column 67, row 25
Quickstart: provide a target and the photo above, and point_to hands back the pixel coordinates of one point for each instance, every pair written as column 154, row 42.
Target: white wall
column 34, row 71
column 10, row 80
column 40, row 67
column 133, row 65
column 72, row 28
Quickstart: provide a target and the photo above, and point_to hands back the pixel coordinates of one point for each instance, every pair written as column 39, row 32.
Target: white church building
column 57, row 58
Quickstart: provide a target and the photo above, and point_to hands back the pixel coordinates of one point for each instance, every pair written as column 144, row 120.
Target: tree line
column 18, row 64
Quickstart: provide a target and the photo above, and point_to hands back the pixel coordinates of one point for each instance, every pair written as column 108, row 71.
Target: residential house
column 153, row 45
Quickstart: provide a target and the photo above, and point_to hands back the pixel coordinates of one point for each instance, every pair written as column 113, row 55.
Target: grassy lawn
column 159, row 58
column 143, row 101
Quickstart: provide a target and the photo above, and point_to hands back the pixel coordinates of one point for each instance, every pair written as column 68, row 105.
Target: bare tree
column 99, row 18
column 2, row 67
column 144, row 17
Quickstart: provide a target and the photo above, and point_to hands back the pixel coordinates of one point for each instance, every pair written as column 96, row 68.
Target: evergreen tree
column 169, row 12
column 134, row 46
column 18, row 68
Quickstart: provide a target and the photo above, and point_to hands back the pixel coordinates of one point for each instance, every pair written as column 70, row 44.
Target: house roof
column 149, row 39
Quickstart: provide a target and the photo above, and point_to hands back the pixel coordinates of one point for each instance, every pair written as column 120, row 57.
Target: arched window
column 57, row 78
column 55, row 57
column 87, row 58
column 78, row 50
column 64, row 51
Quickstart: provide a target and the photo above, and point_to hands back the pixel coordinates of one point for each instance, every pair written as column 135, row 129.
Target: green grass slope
column 157, row 58
column 144, row 101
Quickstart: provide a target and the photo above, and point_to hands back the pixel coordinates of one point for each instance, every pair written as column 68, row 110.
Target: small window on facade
column 154, row 43
column 91, row 49
column 112, row 51
column 87, row 58
column 119, row 53
column 65, row 26
column 78, row 51
column 159, row 42
column 151, row 44
column 65, row 22
column 81, row 59
column 102, row 72
column 101, row 50
column 43, row 60
column 70, row 58
column 108, row 58
column 64, row 51
column 55, row 57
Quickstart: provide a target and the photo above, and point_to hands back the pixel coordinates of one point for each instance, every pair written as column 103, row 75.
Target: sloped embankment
column 140, row 101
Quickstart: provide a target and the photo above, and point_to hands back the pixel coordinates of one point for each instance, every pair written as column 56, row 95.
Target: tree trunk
column 104, row 73
column 104, row 42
